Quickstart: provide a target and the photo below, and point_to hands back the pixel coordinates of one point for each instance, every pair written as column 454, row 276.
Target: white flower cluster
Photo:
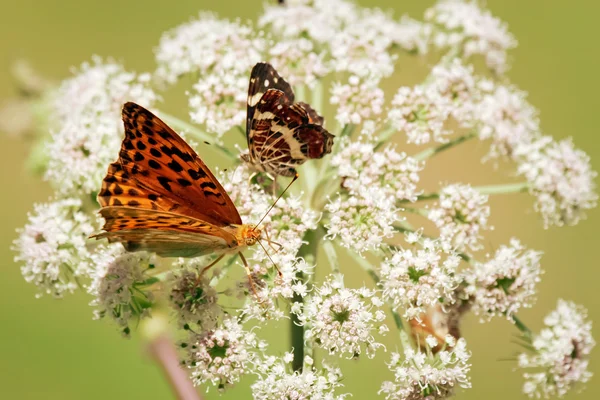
column 193, row 298
column 52, row 247
column 560, row 354
column 357, row 101
column 374, row 182
column 505, row 283
column 421, row 112
column 561, row 178
column 464, row 26
column 207, row 44
column 505, row 116
column 424, row 376
column 460, row 215
column 222, row 356
column 417, row 279
column 88, row 123
column 342, row 321
column 457, row 85
column 299, row 61
column 276, row 381
column 121, row 286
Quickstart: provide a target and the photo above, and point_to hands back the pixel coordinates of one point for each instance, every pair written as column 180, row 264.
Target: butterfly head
column 250, row 235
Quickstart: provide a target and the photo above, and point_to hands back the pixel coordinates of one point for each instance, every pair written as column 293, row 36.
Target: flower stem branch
column 505, row 188
column 385, row 135
column 196, row 132
column 308, row 252
column 521, row 326
column 427, row 153
column 317, row 97
column 164, row 353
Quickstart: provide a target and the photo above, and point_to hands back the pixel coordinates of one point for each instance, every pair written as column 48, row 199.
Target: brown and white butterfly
column 281, row 134
column 160, row 197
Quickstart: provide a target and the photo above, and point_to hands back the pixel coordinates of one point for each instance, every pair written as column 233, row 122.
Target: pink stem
column 165, row 355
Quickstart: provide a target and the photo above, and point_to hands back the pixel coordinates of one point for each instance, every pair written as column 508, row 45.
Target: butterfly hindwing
column 281, row 134
column 167, row 234
column 163, row 168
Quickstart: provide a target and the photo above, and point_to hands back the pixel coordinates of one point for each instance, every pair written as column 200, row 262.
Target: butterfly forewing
column 281, row 134
column 262, row 78
column 159, row 160
column 160, row 197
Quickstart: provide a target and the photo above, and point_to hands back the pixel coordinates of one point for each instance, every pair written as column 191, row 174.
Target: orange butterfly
column 160, row 197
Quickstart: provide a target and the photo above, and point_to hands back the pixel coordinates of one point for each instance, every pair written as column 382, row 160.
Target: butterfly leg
column 271, row 243
column 249, row 273
column 209, row 266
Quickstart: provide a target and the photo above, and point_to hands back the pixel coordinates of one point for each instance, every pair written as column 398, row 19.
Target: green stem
column 427, row 153
column 199, row 134
column 385, row 134
column 299, row 93
column 331, row 256
column 504, row 188
column 316, row 98
column 521, row 326
column 308, row 251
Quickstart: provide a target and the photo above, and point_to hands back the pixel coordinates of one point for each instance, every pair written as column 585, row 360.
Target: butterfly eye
column 250, row 241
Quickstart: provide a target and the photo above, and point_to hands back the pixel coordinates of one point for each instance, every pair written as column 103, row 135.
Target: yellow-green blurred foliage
column 52, row 349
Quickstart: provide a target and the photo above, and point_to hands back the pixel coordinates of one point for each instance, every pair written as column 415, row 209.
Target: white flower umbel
column 415, row 279
column 120, row 285
column 278, row 381
column 52, row 247
column 89, row 130
column 463, row 25
column 421, row 113
column 506, row 117
column 459, row 88
column 560, row 353
column 208, row 44
column 193, row 299
column 461, row 215
column 309, row 18
column 364, row 213
column 221, row 356
column 360, row 165
column 409, row 34
column 298, row 61
column 362, row 220
column 218, row 101
column 505, row 283
column 561, row 178
column 343, row 321
column 357, row 101
column 420, row 375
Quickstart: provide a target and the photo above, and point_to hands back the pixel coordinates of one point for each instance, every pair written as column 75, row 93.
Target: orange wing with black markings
column 159, row 196
column 158, row 170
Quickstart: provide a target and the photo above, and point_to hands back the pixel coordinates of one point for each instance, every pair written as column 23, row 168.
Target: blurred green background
column 54, row 350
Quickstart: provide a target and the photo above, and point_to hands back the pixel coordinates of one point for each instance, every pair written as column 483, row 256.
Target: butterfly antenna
column 275, row 202
column 273, row 262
